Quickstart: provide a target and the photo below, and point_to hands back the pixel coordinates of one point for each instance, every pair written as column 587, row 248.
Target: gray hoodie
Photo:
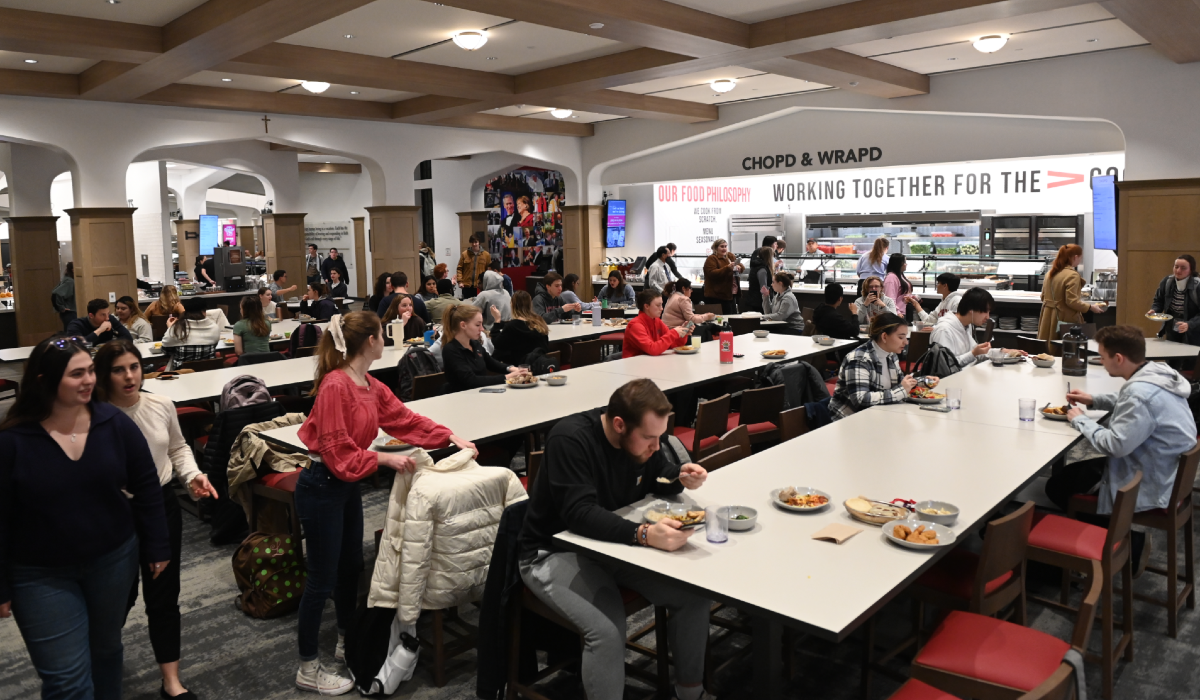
column 493, row 294
column 1150, row 426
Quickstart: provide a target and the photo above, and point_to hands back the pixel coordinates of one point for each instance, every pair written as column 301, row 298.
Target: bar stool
column 1075, row 546
column 1178, row 515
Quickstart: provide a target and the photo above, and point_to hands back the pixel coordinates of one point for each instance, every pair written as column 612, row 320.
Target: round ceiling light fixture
column 348, row 36
column 596, row 25
column 226, row 80
column 559, row 113
column 990, row 43
column 470, row 40
column 354, row 92
column 316, row 87
column 723, row 85
column 31, row 60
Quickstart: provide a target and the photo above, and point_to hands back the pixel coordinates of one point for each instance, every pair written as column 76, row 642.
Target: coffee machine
column 229, row 264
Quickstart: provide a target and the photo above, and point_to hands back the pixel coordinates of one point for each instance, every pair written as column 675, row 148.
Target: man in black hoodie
column 831, row 322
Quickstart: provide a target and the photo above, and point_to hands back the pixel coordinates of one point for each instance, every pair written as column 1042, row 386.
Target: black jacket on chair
column 228, row 519
column 516, row 340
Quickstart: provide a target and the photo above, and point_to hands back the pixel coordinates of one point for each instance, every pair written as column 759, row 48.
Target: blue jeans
column 71, row 618
column 332, row 518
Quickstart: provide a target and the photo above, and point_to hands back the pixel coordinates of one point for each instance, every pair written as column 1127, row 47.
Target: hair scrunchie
column 339, row 338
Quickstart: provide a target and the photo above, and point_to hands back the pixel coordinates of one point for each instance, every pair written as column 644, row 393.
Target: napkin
column 836, row 533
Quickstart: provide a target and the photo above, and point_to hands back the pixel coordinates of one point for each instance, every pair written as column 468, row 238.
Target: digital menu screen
column 1104, row 212
column 615, row 223
column 209, row 234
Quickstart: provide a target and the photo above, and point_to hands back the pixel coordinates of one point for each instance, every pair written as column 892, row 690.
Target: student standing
column 351, row 406
column 875, row 261
column 720, row 276
column 657, row 274
column 493, row 296
column 1062, row 294
column 1178, row 295
column 332, row 263
column 63, row 296
column 471, row 266
column 312, row 265
column 896, row 286
column 70, row 537
column 762, row 272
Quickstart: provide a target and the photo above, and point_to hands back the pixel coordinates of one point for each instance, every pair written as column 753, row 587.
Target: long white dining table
column 1156, row 349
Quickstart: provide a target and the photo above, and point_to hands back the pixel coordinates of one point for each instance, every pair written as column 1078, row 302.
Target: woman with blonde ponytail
column 351, row 406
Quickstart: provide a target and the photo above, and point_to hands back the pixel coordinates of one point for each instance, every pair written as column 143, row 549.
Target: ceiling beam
column 211, row 34
column 204, row 97
column 28, row 83
column 495, row 122
column 344, row 168
column 848, row 71
column 632, row 104
column 50, row 34
column 1171, row 26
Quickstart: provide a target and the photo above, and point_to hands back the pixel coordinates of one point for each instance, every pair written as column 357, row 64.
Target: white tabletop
column 560, row 332
column 1156, row 349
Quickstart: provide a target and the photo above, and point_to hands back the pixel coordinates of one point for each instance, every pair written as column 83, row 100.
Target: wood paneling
column 631, row 104
column 246, row 239
column 50, row 34
column 283, row 236
column 102, row 248
column 848, row 71
column 33, row 250
column 583, row 241
column 344, row 168
column 495, row 122
column 470, row 222
column 28, row 83
column 365, row 287
column 188, row 248
column 395, row 234
column 1156, row 220
column 1171, row 26
column 271, row 102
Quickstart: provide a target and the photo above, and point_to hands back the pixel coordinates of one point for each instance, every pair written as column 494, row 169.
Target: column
column 365, row 283
column 583, row 241
column 246, row 239
column 283, row 239
column 187, row 244
column 470, row 222
column 33, row 248
column 102, row 246
column 395, row 240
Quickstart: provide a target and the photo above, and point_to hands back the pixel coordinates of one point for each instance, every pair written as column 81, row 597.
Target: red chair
column 760, row 409
column 712, row 416
column 10, row 385
column 279, row 487
column 194, row 423
column 1075, row 546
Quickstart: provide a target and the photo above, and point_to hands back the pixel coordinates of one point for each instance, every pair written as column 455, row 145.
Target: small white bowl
column 556, row 379
column 741, row 525
column 761, row 333
column 938, row 505
column 1044, row 364
column 822, row 340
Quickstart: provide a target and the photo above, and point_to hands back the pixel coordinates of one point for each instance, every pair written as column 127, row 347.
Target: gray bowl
column 822, row 340
column 761, row 333
column 939, row 519
column 1044, row 364
column 740, row 525
column 556, row 379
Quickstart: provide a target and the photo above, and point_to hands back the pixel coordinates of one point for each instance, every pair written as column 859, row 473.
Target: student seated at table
column 277, row 286
column 678, row 311
column 269, row 307
column 1149, row 426
column 617, row 291
column 130, row 316
column 445, row 298
column 337, row 286
column 947, row 286
column 956, row 331
column 507, row 282
column 401, row 311
column 548, row 302
column 495, row 297
column 98, row 327
column 873, row 301
column 569, row 295
column 166, row 304
column 595, row 463
column 646, row 334
column 383, row 289
column 316, row 303
column 429, row 290
column 464, row 360
column 829, row 321
column 870, row 374
column 523, row 334
column 782, row 305
column 252, row 332
column 192, row 337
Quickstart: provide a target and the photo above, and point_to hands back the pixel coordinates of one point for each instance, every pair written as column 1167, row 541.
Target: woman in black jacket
column 316, row 303
column 526, row 332
column 464, row 360
column 1178, row 296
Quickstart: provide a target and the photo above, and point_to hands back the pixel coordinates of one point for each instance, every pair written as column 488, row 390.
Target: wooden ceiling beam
column 28, row 83
column 1171, row 26
column 209, row 35
column 50, row 34
column 204, row 97
column 495, row 122
column 842, row 69
column 632, row 104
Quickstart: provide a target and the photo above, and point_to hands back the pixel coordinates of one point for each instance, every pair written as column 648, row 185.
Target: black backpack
column 539, row 363
column 306, row 335
column 417, row 362
column 936, row 362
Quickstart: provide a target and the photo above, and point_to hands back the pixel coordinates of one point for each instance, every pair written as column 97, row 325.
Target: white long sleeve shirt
column 951, row 334
column 156, row 417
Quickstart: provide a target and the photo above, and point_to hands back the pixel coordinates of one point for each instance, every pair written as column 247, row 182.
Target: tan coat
column 718, row 276
column 471, row 268
column 1061, row 303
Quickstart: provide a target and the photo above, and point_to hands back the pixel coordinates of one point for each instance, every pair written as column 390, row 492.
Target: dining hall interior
column 533, row 328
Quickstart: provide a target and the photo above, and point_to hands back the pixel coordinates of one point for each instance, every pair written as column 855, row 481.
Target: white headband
column 339, row 338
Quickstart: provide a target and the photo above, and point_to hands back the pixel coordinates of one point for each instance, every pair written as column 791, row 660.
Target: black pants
column 468, row 292
column 1082, row 477
column 162, row 593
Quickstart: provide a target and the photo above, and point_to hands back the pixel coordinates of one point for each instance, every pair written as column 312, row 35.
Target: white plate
column 765, row 356
column 928, row 402
column 1159, row 317
column 946, row 536
column 1051, row 416
column 520, row 386
column 1007, row 360
column 381, row 443
column 686, row 350
column 797, row 509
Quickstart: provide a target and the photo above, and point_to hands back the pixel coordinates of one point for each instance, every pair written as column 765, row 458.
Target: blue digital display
column 1104, row 212
column 615, row 224
column 209, row 234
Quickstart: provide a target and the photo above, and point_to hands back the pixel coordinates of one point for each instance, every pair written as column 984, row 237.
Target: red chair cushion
column 1059, row 534
column 831, row 385
column 279, row 480
column 752, row 428
column 184, row 410
column 524, row 482
column 613, row 338
column 1086, row 498
column 688, row 435
column 916, row 690
column 993, row 651
column 955, row 575
column 202, row 441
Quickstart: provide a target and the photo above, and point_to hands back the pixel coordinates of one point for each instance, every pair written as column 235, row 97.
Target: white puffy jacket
column 441, row 526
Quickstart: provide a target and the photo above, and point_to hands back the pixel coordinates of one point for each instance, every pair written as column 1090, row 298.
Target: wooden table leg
column 768, row 663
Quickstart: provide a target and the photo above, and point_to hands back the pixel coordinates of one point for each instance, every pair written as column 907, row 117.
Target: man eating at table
column 596, row 462
column 956, row 331
column 646, row 334
column 1149, row 427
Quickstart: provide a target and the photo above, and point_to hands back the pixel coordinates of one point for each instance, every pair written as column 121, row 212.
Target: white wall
column 639, row 219
column 334, row 196
column 145, row 185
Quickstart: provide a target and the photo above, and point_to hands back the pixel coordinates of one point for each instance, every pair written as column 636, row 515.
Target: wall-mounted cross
column 266, row 125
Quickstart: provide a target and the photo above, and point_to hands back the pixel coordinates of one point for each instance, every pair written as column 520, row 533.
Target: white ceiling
column 654, row 87
column 520, row 48
column 311, row 158
column 390, row 27
column 695, row 87
column 264, row 84
column 758, row 10
column 153, row 12
column 577, row 117
column 50, row 64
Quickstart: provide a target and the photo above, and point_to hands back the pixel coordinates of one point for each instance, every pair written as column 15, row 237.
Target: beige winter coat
column 441, row 526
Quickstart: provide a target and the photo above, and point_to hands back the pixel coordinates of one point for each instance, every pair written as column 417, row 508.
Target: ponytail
column 343, row 341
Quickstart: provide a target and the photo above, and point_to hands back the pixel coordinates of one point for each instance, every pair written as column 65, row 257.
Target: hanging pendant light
column 470, row 40
column 990, row 43
column 316, row 87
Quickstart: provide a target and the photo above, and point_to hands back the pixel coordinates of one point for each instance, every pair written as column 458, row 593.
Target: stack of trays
column 1029, row 324
column 1007, row 323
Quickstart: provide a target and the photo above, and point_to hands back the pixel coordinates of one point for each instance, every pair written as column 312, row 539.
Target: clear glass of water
column 576, row 320
column 716, row 524
column 1027, row 407
column 954, row 398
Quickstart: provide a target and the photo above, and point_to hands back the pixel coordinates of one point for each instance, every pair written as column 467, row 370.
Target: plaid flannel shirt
column 860, row 382
column 186, row 353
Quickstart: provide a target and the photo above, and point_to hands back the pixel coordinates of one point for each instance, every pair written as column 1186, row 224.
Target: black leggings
column 162, row 593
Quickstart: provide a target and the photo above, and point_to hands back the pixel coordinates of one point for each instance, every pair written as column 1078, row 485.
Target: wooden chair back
column 918, row 345
column 531, row 469
column 586, row 352
column 720, row 459
column 1181, row 492
column 742, row 326
column 1003, row 552
column 285, row 311
column 428, row 385
column 711, row 419
column 1033, row 346
column 555, row 358
column 1121, row 521
column 670, row 423
column 762, row 405
column 793, row 423
column 158, row 327
column 988, row 330
column 738, row 437
column 204, row 365
column 305, row 352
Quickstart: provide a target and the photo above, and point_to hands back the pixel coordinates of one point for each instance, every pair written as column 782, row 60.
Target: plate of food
column 1055, row 412
column 387, row 443
column 874, row 512
column 614, row 322
column 1006, row 357
column 800, row 500
column 686, row 516
column 1159, row 317
column 1095, row 360
column 919, row 535
column 419, row 340
column 276, row 336
column 525, row 381
column 925, row 395
column 686, row 350
column 774, row 354
column 305, row 318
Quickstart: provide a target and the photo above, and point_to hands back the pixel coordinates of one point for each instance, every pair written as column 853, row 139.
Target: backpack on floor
column 269, row 569
column 417, row 362
column 306, row 335
column 244, row 390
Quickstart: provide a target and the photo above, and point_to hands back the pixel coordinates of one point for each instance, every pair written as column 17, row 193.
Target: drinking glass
column 695, row 341
column 716, row 524
column 1027, row 407
column 954, row 398
column 576, row 320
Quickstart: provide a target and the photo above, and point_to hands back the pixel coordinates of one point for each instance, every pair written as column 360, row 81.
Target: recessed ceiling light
column 854, row 83
column 724, row 84
column 314, row 86
column 347, row 36
column 558, row 113
column 113, row 2
column 354, row 92
column 226, row 80
column 1092, row 41
column 596, row 25
column 990, row 43
column 470, row 40
column 31, row 60
column 491, row 58
column 952, row 59
column 328, row 162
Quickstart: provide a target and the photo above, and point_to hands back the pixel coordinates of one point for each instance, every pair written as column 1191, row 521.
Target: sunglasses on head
column 63, row 343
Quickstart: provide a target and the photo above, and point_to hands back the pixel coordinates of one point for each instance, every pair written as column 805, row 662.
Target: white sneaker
column 311, row 676
column 339, row 652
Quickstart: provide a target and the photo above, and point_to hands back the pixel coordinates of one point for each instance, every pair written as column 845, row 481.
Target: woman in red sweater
column 646, row 334
column 350, row 408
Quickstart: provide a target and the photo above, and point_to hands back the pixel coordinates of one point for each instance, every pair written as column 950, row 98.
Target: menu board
column 1104, row 212
column 615, row 223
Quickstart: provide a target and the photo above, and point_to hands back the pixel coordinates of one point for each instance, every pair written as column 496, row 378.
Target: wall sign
column 863, row 154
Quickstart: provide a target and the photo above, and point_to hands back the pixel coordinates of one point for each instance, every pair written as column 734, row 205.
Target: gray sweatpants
column 585, row 592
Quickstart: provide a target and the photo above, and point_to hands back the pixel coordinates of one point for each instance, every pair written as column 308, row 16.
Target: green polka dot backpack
column 270, row 574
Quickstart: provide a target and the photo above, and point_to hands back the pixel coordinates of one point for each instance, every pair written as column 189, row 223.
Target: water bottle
column 726, row 341
column 1074, row 351
column 596, row 314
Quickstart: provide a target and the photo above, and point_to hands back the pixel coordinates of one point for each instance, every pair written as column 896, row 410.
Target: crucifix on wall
column 266, row 125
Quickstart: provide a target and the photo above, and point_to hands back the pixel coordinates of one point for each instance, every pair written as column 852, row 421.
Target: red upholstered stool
column 1076, row 546
column 711, row 418
column 613, row 340
column 760, row 413
column 916, row 690
column 280, row 487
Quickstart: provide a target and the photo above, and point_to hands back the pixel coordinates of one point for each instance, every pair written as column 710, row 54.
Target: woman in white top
column 873, row 301
column 954, row 331
column 658, row 276
column 270, row 309
column 195, row 337
column 131, row 317
column 119, row 382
